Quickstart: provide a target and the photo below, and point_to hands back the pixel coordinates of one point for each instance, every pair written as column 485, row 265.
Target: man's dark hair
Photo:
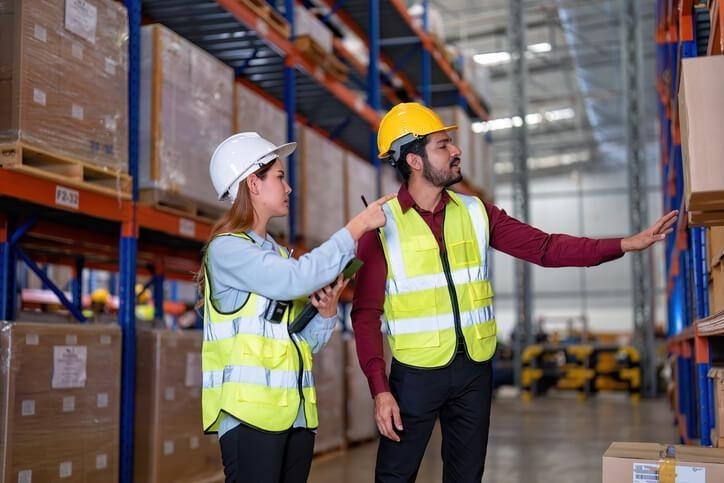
column 414, row 147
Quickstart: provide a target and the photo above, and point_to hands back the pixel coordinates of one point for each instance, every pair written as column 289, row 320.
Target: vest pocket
column 271, row 396
column 269, row 353
column 485, row 329
column 417, row 340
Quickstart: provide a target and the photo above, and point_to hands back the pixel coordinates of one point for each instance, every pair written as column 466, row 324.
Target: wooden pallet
column 269, row 14
column 326, row 60
column 179, row 205
column 65, row 170
column 706, row 218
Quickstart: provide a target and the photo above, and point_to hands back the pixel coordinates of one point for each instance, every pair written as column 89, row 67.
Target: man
column 426, row 271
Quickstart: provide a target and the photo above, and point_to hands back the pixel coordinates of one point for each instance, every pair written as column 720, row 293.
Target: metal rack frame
column 683, row 30
column 127, row 237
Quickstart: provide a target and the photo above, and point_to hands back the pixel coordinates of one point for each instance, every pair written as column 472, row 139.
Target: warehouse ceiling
column 575, row 82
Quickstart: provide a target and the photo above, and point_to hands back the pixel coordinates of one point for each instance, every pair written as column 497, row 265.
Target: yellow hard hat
column 100, row 295
column 142, row 295
column 407, row 118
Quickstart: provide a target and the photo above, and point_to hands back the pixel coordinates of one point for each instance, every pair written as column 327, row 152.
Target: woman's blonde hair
column 238, row 219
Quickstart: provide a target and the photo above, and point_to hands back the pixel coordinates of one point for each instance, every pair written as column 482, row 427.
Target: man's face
column 442, row 166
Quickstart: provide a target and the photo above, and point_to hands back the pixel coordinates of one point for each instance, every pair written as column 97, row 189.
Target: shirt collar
column 407, row 201
column 262, row 242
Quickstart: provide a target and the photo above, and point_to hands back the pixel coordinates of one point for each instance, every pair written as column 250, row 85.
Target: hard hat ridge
column 404, row 123
column 240, row 155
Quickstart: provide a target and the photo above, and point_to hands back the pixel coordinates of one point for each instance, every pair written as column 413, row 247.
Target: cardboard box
column 329, row 383
column 187, row 109
column 639, row 463
column 59, row 380
column 701, row 111
column 169, row 443
column 717, row 433
column 64, row 78
column 361, row 425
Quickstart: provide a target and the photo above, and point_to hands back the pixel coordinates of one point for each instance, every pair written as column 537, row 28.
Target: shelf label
column 67, row 197
column 187, row 227
column 81, row 18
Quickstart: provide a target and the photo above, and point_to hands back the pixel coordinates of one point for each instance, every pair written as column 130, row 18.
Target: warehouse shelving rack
column 686, row 28
column 101, row 230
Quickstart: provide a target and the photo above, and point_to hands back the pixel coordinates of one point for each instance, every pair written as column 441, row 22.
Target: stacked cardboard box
column 641, row 462
column 64, row 78
column 186, row 111
column 322, row 174
column 328, row 370
column 701, row 114
column 59, row 402
column 170, row 444
column 361, row 424
column 715, row 257
column 254, row 113
column 716, row 374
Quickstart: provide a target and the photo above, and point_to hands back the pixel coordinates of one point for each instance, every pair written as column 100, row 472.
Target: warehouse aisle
column 555, row 439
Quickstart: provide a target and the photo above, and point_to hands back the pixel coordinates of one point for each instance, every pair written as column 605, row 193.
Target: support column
column 290, row 105
column 638, row 201
column 374, row 98
column 519, row 103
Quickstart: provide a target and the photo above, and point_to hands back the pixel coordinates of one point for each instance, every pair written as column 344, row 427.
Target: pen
column 364, row 200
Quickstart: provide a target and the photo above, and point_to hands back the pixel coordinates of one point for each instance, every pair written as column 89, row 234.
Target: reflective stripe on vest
column 251, row 367
column 418, row 302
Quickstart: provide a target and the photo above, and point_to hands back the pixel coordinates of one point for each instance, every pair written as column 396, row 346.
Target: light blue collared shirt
column 237, row 268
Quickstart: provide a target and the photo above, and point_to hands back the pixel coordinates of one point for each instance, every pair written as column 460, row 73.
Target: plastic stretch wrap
column 322, row 175
column 59, row 402
column 361, row 424
column 64, row 78
column 390, row 180
column 328, row 370
column 361, row 178
column 254, row 113
column 170, row 444
column 186, row 111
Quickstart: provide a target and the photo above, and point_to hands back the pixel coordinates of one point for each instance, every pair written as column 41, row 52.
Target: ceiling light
column 497, row 58
column 530, row 119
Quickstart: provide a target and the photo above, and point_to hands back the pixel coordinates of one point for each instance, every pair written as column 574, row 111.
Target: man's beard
column 442, row 178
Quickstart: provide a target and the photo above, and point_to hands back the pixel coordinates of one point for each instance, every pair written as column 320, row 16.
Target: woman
column 258, row 392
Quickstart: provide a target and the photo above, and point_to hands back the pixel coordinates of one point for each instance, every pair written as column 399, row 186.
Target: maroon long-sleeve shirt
column 507, row 234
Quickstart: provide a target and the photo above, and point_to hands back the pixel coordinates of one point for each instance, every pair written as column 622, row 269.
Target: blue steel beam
column 290, row 105
column 426, row 59
column 49, row 283
column 77, row 283
column 128, row 252
column 374, row 96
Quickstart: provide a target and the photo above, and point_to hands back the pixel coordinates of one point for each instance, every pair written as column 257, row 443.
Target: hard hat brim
column 444, row 129
column 279, row 152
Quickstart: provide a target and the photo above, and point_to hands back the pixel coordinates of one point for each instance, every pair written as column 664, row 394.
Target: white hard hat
column 240, row 155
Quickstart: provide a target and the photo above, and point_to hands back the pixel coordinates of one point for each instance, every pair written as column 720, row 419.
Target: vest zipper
column 453, row 293
column 300, row 379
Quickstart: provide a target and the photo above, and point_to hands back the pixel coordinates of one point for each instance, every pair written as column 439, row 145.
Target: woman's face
column 274, row 192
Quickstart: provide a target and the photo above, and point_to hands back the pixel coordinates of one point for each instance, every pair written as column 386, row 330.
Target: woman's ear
column 252, row 182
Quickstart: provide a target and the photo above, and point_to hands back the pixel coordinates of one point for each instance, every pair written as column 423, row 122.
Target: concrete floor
column 553, row 439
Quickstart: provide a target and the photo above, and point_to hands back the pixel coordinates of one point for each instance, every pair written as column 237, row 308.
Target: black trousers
column 460, row 395
column 254, row 456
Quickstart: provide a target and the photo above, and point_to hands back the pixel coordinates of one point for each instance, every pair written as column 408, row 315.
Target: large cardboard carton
column 701, row 113
column 187, row 109
column 64, row 78
column 639, row 463
column 170, row 444
column 328, row 370
column 59, row 402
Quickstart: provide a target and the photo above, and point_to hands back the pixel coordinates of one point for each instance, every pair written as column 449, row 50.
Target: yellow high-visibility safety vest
column 431, row 297
column 252, row 368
